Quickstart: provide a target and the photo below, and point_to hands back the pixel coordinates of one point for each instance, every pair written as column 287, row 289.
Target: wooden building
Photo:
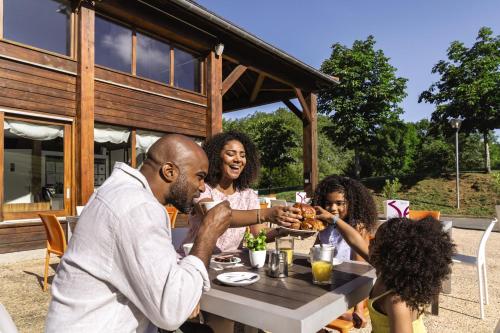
column 85, row 84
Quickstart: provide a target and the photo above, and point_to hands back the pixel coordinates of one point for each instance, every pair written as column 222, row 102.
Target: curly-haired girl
column 411, row 259
column 353, row 203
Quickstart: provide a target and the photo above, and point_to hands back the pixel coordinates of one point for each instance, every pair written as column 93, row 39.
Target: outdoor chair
column 56, row 241
column 172, row 215
column 6, row 323
column 344, row 326
column 420, row 214
column 480, row 262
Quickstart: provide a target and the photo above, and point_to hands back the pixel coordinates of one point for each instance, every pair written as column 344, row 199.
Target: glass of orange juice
column 321, row 263
column 285, row 244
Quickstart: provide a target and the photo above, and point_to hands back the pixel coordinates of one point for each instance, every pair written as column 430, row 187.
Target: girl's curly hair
column 213, row 147
column 361, row 211
column 412, row 258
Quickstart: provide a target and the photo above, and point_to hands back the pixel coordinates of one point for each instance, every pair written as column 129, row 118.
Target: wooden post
column 214, row 93
column 85, row 107
column 310, row 145
column 2, row 164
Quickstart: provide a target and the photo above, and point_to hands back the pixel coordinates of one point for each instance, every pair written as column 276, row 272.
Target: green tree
column 469, row 87
column 366, row 98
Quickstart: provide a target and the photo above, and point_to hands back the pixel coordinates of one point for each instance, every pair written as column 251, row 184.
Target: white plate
column 299, row 231
column 238, row 278
column 235, row 261
column 336, row 261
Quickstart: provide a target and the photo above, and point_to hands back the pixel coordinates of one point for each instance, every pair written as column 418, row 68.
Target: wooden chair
column 172, row 215
column 56, row 241
column 480, row 262
column 344, row 326
column 420, row 214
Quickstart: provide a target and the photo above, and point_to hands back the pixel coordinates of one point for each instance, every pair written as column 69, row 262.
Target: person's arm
column 351, row 236
column 145, row 268
column 280, row 215
column 400, row 316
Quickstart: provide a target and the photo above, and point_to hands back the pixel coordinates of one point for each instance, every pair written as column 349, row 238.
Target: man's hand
column 282, row 215
column 214, row 224
column 195, row 312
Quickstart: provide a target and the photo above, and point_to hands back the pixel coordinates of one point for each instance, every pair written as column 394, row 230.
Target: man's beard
column 179, row 195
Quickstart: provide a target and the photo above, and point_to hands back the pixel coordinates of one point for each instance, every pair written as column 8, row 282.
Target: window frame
column 72, row 36
column 172, row 45
column 68, row 168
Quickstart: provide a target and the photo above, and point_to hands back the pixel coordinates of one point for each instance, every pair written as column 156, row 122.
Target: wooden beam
column 303, row 103
column 257, row 87
column 310, row 147
column 133, row 149
column 85, row 106
column 277, row 89
column 232, row 78
column 214, row 94
column 294, row 109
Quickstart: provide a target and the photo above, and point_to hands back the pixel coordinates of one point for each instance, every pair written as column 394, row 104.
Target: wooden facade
column 72, row 92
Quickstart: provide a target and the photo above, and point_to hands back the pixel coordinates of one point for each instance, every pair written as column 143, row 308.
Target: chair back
column 172, row 215
column 420, row 214
column 56, row 241
column 481, row 255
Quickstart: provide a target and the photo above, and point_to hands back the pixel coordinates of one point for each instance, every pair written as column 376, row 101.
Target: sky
column 413, row 34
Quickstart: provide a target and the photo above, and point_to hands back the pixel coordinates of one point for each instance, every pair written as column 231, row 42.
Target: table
column 71, row 222
column 293, row 304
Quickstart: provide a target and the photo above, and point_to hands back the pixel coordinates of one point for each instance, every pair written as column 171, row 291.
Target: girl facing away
column 411, row 258
column 353, row 203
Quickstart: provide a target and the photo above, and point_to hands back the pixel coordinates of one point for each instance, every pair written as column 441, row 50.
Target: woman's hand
column 323, row 215
column 282, row 215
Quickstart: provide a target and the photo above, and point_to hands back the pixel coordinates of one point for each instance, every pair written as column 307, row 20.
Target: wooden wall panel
column 23, row 237
column 126, row 107
column 23, row 86
column 37, row 56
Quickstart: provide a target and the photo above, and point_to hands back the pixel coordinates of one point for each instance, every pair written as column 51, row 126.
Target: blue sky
column 414, row 34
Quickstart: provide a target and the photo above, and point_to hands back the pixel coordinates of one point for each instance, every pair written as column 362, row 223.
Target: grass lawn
column 479, row 193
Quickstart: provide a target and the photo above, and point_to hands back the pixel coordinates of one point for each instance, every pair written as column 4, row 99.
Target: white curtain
column 145, row 139
column 106, row 133
column 33, row 131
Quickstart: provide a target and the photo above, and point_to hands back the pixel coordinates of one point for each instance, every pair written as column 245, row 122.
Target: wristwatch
column 334, row 220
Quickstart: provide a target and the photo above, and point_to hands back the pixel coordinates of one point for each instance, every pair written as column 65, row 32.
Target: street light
column 455, row 123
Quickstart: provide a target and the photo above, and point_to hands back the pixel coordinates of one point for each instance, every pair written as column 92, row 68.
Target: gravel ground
column 21, row 294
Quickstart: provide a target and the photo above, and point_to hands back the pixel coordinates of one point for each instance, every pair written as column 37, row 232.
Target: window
column 153, row 59
column 114, row 48
column 34, row 166
column 113, row 45
column 186, row 70
column 44, row 24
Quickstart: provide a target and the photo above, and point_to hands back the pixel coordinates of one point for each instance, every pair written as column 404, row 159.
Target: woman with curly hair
column 353, row 203
column 411, row 258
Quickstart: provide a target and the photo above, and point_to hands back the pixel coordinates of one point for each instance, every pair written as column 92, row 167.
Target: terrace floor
column 21, row 293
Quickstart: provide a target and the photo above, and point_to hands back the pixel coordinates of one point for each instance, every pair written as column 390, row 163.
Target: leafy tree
column 366, row 98
column 331, row 159
column 469, row 87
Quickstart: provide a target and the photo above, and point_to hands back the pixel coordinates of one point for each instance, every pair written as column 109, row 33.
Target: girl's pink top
column 240, row 200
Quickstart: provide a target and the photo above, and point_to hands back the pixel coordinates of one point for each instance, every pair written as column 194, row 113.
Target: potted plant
column 256, row 248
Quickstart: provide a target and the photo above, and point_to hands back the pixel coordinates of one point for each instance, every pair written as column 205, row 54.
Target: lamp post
column 455, row 123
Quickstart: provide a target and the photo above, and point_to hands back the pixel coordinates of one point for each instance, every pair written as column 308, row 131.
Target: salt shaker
column 278, row 266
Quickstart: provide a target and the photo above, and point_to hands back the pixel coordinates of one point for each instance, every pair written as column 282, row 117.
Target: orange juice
column 289, row 254
column 322, row 272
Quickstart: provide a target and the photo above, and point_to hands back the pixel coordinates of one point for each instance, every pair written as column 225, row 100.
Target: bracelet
column 334, row 220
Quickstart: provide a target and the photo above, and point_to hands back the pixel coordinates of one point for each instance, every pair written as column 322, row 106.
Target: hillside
column 478, row 193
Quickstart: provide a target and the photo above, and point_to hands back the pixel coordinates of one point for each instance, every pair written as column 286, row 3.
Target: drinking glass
column 321, row 263
column 285, row 244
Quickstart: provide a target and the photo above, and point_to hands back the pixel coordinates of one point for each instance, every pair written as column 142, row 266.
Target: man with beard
column 120, row 272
